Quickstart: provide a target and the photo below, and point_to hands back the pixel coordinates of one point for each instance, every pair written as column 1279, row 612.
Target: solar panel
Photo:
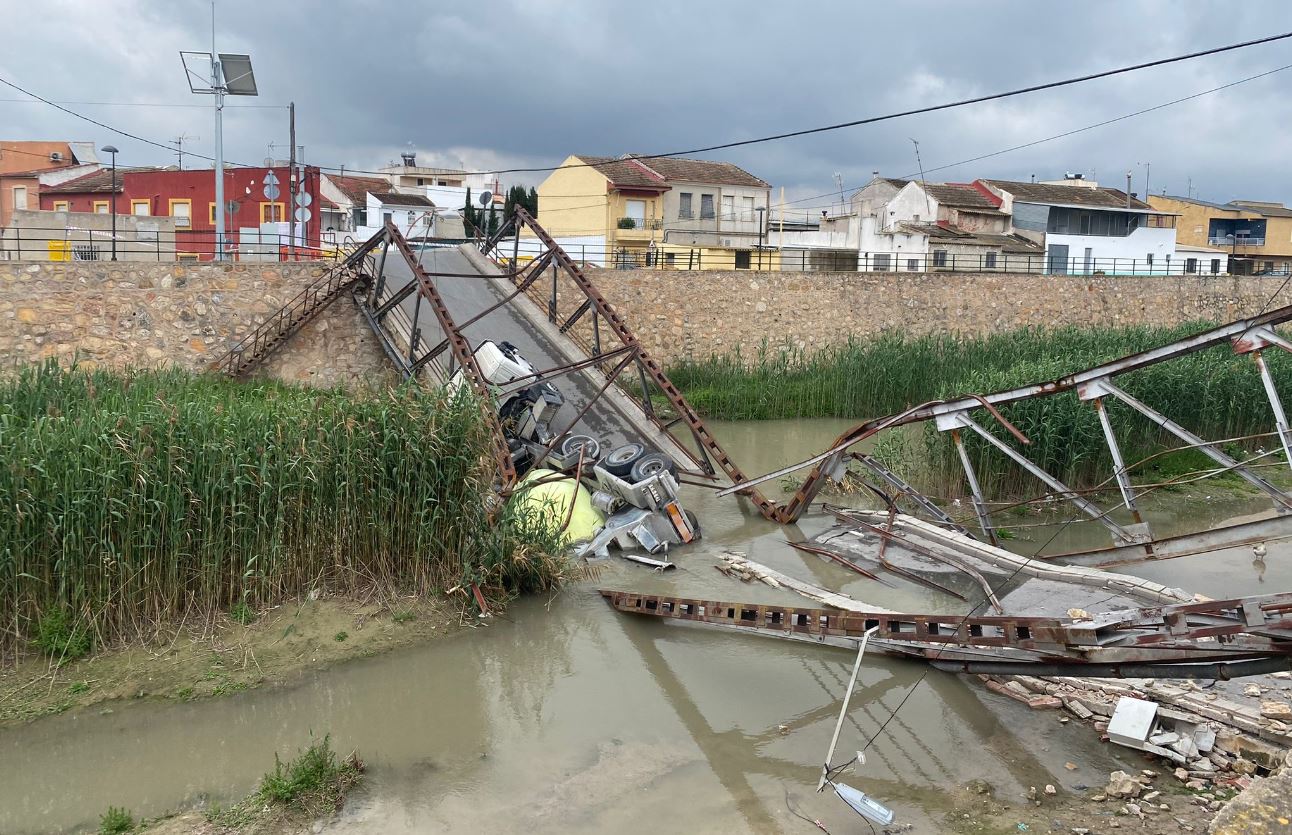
column 239, row 80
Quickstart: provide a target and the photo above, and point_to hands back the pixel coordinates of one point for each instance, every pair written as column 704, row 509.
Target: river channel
column 566, row 716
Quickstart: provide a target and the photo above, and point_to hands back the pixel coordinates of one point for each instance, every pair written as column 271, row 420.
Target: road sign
column 303, row 215
column 303, row 198
column 271, row 191
column 271, row 179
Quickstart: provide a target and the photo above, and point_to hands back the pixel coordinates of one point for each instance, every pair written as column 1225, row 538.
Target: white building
column 1088, row 229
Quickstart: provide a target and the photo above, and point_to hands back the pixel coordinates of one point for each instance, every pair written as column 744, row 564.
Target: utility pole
column 217, row 90
column 291, row 186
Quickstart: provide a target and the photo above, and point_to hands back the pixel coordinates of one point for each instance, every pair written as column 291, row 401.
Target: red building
column 189, row 197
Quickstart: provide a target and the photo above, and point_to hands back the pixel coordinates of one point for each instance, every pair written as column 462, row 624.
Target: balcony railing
column 1231, row 240
column 640, row 223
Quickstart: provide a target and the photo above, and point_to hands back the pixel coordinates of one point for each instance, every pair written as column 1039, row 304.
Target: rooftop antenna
column 178, row 142
column 923, row 185
column 838, row 183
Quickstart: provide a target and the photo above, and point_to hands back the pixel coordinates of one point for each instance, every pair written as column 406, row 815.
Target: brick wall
column 693, row 314
column 158, row 314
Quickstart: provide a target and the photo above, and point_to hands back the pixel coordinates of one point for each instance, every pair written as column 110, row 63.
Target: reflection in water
column 567, row 716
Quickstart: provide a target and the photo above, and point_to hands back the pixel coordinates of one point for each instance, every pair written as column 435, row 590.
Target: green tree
column 518, row 196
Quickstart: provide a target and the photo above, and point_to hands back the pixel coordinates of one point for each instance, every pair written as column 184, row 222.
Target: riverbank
column 211, row 659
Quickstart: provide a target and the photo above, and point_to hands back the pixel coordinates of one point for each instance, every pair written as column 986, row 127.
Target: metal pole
column 1280, row 418
column 217, row 88
column 291, row 178
column 114, row 206
column 979, row 505
column 847, row 697
column 1119, row 466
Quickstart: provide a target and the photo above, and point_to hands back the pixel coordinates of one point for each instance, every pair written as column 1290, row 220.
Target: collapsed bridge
column 433, row 306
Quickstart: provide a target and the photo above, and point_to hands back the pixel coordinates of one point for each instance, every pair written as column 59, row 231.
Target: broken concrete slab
column 1132, row 722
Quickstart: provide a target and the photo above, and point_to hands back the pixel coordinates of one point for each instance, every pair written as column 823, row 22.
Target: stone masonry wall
column 141, row 314
column 679, row 314
column 133, row 313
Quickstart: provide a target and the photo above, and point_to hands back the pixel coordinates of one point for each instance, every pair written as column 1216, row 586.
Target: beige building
column 631, row 208
column 1256, row 235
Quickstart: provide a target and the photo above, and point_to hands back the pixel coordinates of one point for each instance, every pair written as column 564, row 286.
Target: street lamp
column 112, row 149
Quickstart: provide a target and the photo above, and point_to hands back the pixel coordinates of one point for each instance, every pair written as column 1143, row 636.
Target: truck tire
column 590, row 446
column 619, row 462
column 651, row 464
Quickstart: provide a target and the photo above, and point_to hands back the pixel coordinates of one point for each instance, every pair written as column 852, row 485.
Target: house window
column 1190, row 265
column 728, row 207
column 939, row 258
column 421, row 182
column 385, row 218
column 684, row 206
column 706, row 207
column 272, row 212
column 670, row 259
column 882, row 261
column 19, row 197
column 989, row 261
column 742, row 259
column 1149, row 258
column 913, row 264
column 210, row 212
column 1215, row 266
column 360, row 217
column 182, row 211
column 60, row 206
column 141, row 208
column 100, row 207
column 746, row 208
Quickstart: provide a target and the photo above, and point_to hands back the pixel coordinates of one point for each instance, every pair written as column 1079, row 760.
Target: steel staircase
column 257, row 346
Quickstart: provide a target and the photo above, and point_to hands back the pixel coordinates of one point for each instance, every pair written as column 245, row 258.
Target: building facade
column 633, row 209
column 1255, row 236
column 256, row 211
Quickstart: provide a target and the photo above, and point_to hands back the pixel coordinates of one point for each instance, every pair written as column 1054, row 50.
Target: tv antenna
column 924, row 186
column 178, row 142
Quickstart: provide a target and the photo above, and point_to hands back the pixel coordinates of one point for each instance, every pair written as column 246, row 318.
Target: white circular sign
column 303, row 198
column 271, row 191
column 303, row 215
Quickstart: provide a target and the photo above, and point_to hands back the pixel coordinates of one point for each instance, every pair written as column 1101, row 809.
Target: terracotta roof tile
column 657, row 173
column 357, row 188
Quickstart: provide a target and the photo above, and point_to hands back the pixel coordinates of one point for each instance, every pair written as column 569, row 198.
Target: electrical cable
column 788, row 134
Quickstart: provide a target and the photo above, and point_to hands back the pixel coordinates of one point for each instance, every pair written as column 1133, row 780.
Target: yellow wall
column 714, row 258
column 574, row 201
column 1192, row 225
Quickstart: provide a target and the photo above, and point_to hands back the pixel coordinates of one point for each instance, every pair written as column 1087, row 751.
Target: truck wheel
column 621, row 459
column 589, row 445
column 652, row 464
column 693, row 522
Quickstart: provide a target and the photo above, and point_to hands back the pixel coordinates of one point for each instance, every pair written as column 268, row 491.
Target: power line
column 141, row 104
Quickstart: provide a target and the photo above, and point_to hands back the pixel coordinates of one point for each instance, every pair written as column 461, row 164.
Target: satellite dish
column 486, row 198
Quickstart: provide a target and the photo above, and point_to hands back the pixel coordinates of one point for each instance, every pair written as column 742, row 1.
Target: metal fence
column 69, row 243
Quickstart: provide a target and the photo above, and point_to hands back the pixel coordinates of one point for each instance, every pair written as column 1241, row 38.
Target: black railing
column 60, row 243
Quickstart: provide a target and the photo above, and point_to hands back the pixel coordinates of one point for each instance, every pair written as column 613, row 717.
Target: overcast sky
column 525, row 83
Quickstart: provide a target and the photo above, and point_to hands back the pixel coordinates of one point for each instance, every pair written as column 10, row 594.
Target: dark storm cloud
column 526, row 83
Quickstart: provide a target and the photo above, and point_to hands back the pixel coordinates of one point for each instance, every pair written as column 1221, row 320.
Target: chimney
column 1128, row 189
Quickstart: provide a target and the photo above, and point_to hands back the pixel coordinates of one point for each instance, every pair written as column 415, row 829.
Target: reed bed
column 135, row 498
column 1215, row 393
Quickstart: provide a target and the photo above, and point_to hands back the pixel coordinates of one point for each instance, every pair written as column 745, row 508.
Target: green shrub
column 61, row 637
column 116, row 821
column 311, row 774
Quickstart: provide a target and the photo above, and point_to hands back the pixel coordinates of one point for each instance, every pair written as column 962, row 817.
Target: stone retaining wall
column 139, row 314
column 681, row 314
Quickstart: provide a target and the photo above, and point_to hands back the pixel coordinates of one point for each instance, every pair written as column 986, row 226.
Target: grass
column 313, row 783
column 1213, row 392
column 116, row 821
column 133, row 497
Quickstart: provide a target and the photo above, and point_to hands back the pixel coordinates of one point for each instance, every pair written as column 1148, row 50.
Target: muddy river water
column 565, row 716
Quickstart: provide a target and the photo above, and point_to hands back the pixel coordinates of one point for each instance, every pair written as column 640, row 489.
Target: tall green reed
column 132, row 498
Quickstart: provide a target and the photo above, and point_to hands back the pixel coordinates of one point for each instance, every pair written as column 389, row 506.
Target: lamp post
column 112, row 149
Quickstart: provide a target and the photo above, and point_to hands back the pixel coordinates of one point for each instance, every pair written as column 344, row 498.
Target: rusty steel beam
column 1241, row 628
column 460, row 351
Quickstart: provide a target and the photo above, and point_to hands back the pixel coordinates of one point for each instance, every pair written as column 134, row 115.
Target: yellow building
column 630, row 211
column 1257, row 236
